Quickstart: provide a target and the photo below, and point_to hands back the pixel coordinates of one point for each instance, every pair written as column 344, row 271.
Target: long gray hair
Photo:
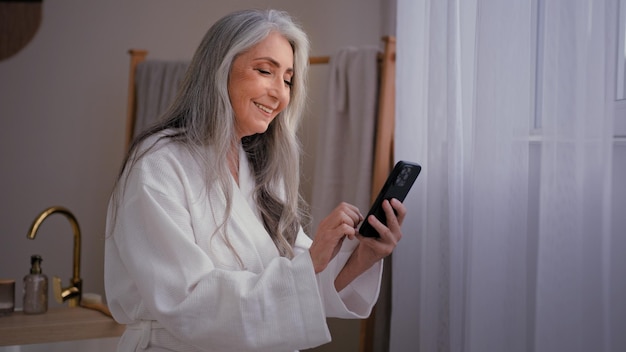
column 202, row 117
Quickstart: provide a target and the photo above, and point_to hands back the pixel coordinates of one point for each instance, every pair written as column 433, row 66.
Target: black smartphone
column 397, row 186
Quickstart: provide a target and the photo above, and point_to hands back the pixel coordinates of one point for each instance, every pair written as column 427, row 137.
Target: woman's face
column 259, row 84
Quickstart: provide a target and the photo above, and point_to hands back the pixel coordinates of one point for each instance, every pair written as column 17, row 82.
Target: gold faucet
column 72, row 293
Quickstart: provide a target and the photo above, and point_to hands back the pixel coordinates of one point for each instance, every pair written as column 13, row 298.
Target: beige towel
column 343, row 167
column 157, row 85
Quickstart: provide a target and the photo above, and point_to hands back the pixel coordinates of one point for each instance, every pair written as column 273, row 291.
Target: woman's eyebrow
column 274, row 62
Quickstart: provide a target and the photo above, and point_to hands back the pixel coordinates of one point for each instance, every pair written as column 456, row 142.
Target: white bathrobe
column 178, row 287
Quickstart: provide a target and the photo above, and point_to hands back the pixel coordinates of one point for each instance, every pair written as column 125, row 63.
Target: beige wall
column 63, row 108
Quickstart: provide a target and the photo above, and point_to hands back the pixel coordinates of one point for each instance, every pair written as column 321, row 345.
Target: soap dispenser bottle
column 35, row 288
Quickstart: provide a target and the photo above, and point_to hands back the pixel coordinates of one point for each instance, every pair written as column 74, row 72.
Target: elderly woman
column 204, row 247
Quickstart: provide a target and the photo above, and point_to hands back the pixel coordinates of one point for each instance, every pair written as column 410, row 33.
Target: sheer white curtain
column 508, row 245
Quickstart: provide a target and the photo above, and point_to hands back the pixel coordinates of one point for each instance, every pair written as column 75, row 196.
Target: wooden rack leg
column 136, row 56
column 383, row 163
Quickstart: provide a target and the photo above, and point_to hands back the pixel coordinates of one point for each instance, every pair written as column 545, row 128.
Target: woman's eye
column 289, row 83
column 264, row 72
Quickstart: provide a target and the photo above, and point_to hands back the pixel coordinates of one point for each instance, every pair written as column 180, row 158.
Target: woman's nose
column 280, row 90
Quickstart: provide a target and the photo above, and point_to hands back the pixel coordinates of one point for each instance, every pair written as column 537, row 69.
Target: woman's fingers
column 331, row 232
column 344, row 217
column 395, row 212
column 348, row 214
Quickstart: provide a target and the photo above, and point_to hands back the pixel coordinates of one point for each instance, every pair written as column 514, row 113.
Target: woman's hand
column 341, row 222
column 373, row 249
column 370, row 250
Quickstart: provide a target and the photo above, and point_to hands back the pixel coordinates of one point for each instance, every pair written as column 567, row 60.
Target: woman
column 204, row 248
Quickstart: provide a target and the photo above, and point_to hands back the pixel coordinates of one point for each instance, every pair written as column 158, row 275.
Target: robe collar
column 260, row 247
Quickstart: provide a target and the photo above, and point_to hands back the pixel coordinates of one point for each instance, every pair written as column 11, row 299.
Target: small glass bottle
column 35, row 288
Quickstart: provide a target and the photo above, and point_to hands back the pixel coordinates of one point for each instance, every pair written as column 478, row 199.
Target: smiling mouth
column 264, row 108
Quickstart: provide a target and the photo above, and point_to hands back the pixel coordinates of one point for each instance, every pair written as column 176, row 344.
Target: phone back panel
column 397, row 185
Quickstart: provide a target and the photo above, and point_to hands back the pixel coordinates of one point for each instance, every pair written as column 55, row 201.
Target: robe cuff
column 357, row 299
column 312, row 312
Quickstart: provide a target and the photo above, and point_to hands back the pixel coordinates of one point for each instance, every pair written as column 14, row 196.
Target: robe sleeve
column 358, row 298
